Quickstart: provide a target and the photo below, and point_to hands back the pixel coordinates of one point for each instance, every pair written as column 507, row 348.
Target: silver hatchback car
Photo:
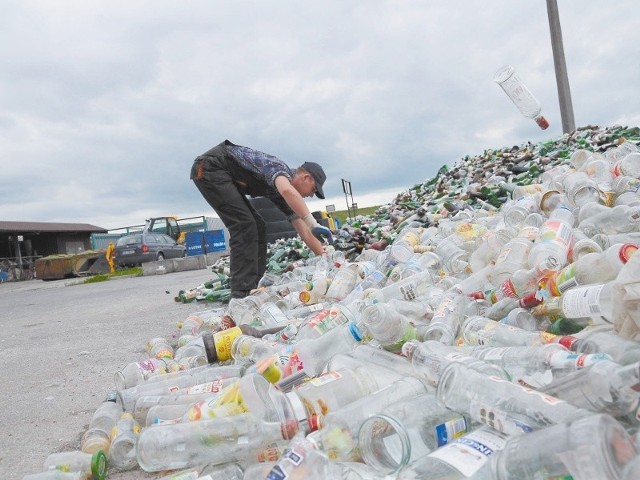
column 146, row 247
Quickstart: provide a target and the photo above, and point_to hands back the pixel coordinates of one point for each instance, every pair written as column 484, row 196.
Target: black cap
column 318, row 175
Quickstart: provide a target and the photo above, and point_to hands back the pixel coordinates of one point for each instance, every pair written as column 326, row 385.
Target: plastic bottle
column 173, row 382
column 91, row 466
column 520, row 95
column 98, row 435
column 607, row 240
column 389, row 328
column 501, row 404
column 522, row 281
column 272, row 315
column 124, row 436
column 594, row 267
column 215, row 442
column 231, row 471
column 586, row 448
column 246, row 349
column 407, row 430
column 430, row 358
column 457, row 460
column 337, row 433
column 604, row 387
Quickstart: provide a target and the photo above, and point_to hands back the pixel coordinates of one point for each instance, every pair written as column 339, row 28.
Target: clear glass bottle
column 501, row 404
column 484, row 331
column 520, row 95
column 430, row 358
column 98, row 435
column 410, row 288
column 628, row 165
column 173, row 382
column 513, row 256
column 54, row 475
column 91, row 466
column 342, row 283
column 457, row 460
column 554, row 240
column 594, row 267
column 337, row 433
column 619, row 219
column 124, row 436
column 603, row 339
column 159, row 347
column 448, row 317
column 214, row 442
column 314, row 354
column 587, row 448
column 604, row 387
column 407, row 430
column 524, row 360
column 389, row 328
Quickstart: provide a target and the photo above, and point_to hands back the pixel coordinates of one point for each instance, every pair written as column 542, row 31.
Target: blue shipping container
column 199, row 243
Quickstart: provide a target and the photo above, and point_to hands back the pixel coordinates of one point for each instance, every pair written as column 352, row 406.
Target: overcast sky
column 104, row 105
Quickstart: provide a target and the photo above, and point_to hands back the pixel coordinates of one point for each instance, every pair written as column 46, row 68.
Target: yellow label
column 223, row 340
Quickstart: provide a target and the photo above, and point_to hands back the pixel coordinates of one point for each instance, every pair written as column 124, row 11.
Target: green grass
column 343, row 214
column 135, row 271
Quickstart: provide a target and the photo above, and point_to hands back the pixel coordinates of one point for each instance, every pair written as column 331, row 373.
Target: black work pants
column 247, row 229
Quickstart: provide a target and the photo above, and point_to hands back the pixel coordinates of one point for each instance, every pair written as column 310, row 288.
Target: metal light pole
column 562, row 80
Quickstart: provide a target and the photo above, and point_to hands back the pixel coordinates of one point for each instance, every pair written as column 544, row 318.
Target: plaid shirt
column 262, row 165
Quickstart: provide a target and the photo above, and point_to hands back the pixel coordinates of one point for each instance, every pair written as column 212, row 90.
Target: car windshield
column 130, row 240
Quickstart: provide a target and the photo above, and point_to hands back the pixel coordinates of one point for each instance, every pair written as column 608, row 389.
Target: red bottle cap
column 568, row 341
column 626, row 251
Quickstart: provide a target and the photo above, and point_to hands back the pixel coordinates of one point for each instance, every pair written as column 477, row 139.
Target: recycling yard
column 63, row 341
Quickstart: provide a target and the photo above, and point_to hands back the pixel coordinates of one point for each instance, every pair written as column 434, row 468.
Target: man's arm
column 307, row 237
column 305, row 221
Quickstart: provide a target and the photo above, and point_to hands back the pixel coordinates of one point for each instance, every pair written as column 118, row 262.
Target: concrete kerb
column 196, row 262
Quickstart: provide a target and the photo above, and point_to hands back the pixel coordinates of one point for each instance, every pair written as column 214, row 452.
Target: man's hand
column 319, row 232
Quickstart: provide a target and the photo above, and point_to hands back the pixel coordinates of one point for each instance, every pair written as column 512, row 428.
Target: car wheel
column 160, row 257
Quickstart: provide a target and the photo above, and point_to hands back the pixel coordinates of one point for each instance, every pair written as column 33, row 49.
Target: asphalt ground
column 60, row 346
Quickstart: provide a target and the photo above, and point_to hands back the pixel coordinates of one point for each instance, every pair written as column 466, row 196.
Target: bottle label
column 209, row 387
column 582, row 302
column 223, row 340
column 451, row 430
column 469, row 453
column 325, row 378
column 564, row 360
column 497, row 419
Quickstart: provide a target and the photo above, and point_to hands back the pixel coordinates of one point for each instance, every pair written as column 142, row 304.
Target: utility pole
column 562, row 80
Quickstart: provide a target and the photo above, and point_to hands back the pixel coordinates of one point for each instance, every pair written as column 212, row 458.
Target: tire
column 160, row 257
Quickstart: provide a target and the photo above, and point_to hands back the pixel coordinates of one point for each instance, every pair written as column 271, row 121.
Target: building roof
column 28, row 227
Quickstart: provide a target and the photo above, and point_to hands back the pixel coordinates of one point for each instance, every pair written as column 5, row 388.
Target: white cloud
column 105, row 105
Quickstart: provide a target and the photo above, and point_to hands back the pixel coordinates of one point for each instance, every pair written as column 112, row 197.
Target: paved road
column 60, row 346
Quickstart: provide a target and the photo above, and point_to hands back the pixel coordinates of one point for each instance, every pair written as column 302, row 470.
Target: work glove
column 318, row 230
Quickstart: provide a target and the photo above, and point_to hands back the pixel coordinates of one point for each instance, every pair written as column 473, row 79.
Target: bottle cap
column 568, row 341
column 355, row 332
column 626, row 251
column 542, row 122
column 99, row 465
